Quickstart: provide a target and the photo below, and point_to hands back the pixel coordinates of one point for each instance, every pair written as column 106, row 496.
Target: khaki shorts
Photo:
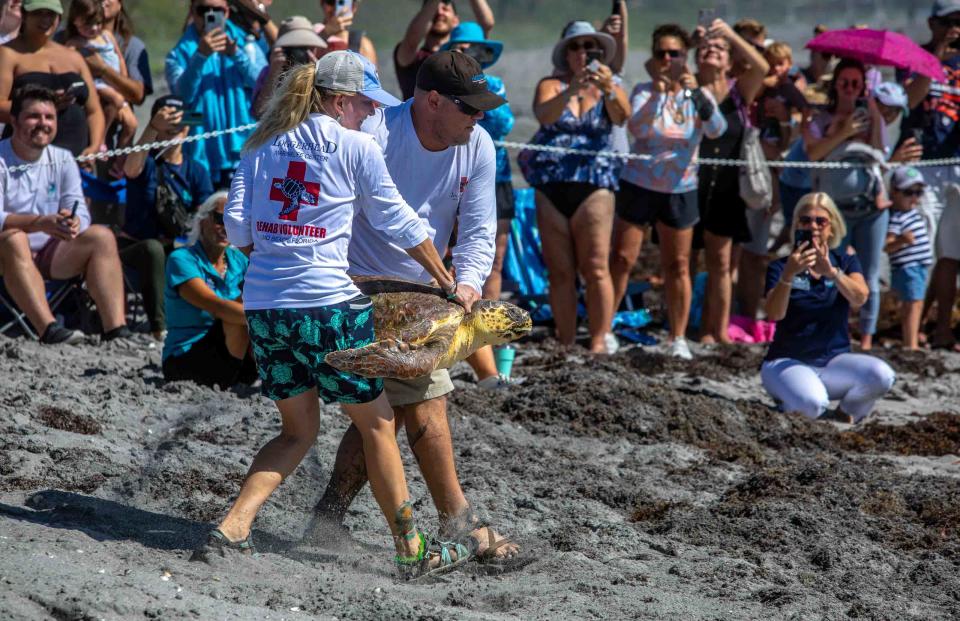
column 407, row 392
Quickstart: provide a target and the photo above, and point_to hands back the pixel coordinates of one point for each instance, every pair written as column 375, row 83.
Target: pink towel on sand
column 745, row 330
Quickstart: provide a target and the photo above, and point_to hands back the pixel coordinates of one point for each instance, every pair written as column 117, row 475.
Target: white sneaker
column 611, row 343
column 499, row 382
column 679, row 349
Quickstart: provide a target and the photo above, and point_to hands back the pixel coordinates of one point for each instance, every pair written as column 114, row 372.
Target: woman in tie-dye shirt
column 671, row 115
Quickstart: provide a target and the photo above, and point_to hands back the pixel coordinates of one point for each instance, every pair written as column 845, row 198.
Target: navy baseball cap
column 170, row 101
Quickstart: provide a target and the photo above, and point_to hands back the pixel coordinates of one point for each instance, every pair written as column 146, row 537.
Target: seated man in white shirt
column 45, row 230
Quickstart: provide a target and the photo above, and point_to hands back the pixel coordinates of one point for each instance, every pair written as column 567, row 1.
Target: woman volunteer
column 291, row 207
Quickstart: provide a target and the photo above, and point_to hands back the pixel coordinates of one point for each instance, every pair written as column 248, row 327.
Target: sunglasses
column 463, row 106
column 849, row 83
column 950, row 22
column 201, row 10
column 819, row 220
column 587, row 45
column 217, row 217
column 667, row 53
column 912, row 193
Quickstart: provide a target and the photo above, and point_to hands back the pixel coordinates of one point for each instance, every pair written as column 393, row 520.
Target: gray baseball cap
column 942, row 8
column 905, row 177
column 340, row 71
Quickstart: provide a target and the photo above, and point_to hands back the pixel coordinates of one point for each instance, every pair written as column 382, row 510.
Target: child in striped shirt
column 908, row 245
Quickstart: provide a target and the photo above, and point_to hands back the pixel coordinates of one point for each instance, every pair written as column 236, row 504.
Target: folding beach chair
column 58, row 291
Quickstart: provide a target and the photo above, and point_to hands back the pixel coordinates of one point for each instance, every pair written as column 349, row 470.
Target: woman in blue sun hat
column 468, row 38
column 577, row 106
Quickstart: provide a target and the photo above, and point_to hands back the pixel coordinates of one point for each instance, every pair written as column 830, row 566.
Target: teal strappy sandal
column 450, row 555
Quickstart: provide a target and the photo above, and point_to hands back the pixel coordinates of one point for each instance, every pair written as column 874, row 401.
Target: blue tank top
column 592, row 131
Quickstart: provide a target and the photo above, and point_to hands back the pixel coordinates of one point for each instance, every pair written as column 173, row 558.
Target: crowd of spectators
column 69, row 84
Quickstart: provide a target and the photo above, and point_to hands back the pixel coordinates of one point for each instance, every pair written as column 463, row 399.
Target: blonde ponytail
column 294, row 100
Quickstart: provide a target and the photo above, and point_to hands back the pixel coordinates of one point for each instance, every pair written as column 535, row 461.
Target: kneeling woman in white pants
column 809, row 295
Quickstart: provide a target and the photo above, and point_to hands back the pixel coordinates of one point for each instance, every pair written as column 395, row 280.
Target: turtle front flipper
column 388, row 359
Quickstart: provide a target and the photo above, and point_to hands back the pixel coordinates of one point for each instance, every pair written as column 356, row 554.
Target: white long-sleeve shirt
column 50, row 184
column 294, row 200
column 453, row 186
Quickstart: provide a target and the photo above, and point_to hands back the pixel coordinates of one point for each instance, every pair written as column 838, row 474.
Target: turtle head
column 499, row 322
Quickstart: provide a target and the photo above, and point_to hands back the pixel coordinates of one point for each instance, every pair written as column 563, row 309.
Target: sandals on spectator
column 218, row 546
column 433, row 558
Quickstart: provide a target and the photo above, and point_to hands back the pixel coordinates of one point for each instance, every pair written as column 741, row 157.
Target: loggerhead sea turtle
column 419, row 331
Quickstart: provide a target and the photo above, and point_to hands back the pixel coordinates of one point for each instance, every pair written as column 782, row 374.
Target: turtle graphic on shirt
column 296, row 193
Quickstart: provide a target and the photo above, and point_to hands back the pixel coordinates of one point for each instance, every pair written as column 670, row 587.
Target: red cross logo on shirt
column 294, row 191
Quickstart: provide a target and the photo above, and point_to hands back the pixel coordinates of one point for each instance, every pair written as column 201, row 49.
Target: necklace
column 675, row 110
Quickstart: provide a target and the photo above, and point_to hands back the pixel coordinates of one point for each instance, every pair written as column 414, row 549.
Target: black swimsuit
column 73, row 132
column 722, row 211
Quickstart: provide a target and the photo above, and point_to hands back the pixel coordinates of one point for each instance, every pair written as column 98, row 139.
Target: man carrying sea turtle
column 444, row 166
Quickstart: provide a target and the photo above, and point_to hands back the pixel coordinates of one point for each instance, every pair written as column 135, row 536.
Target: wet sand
column 649, row 488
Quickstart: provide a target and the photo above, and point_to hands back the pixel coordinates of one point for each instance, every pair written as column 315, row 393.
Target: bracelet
column 452, row 291
column 784, row 282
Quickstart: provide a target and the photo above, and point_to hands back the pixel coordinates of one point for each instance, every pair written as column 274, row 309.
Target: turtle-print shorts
column 291, row 343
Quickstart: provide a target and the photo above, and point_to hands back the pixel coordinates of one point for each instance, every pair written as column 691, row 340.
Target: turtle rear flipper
column 387, row 359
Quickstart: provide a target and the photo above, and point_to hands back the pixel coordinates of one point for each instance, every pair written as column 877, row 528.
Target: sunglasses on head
column 217, row 217
column 587, row 45
column 201, row 10
column 463, row 106
column 667, row 53
column 819, row 220
column 912, row 192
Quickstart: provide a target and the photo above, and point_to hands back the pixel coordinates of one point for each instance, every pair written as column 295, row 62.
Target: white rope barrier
column 954, row 161
column 162, row 144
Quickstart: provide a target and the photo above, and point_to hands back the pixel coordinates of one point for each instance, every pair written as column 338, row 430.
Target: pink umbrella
column 879, row 47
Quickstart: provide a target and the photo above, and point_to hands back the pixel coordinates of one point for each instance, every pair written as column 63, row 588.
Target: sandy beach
column 648, row 488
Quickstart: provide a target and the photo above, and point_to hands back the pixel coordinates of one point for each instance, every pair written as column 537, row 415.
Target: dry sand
column 651, row 489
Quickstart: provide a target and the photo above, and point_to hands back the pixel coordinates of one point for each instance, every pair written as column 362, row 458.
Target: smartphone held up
column 594, row 59
column 344, row 8
column 706, row 17
column 214, row 19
